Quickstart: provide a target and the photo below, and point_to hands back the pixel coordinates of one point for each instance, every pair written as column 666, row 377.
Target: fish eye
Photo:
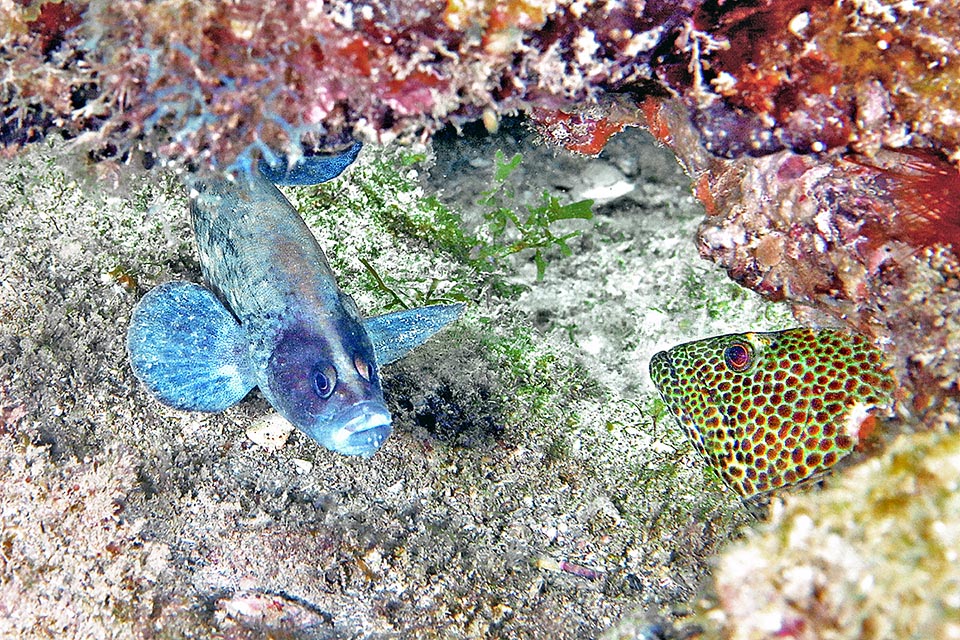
column 324, row 380
column 363, row 368
column 737, row 356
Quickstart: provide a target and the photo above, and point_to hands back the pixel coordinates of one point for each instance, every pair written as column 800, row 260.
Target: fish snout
column 662, row 370
column 361, row 429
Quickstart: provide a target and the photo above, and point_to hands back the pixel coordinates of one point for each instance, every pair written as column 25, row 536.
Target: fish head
column 767, row 410
column 327, row 384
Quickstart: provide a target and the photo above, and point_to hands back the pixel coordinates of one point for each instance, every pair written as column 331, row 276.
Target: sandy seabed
column 530, row 488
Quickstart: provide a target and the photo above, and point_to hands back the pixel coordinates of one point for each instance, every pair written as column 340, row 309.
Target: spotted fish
column 273, row 317
column 768, row 410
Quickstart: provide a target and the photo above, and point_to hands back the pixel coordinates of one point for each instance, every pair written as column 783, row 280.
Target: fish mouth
column 661, row 369
column 664, row 375
column 361, row 429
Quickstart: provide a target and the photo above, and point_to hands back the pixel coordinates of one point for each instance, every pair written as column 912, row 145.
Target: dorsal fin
column 309, row 169
column 394, row 335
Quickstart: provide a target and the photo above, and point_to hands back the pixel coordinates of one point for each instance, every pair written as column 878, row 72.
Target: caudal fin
column 309, row 169
column 188, row 350
column 394, row 335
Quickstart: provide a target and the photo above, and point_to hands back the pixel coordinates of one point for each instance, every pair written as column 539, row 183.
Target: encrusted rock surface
column 874, row 556
column 821, row 138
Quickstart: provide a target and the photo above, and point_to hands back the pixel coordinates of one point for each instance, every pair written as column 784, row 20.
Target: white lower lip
column 365, row 420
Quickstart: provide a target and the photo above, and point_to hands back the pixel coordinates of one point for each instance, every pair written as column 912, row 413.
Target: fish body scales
column 256, row 251
column 271, row 316
column 769, row 410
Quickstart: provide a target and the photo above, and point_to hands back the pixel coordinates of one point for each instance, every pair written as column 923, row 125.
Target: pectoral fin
column 308, row 169
column 394, row 335
column 188, row 350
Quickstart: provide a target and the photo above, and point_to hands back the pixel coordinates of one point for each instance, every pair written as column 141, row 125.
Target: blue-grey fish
column 309, row 169
column 272, row 317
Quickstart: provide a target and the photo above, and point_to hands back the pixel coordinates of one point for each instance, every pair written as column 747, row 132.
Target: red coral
column 925, row 191
column 656, row 122
column 357, row 51
column 701, row 190
column 581, row 133
column 412, row 94
column 55, row 19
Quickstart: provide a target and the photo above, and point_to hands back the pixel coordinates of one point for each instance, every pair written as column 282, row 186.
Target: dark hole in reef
column 83, row 94
column 465, row 417
column 448, row 419
column 28, row 125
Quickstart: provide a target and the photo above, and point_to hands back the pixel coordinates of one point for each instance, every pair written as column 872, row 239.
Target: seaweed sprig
column 513, row 230
column 480, row 252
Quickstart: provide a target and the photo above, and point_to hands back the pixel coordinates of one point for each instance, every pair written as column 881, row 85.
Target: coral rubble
column 222, row 80
column 874, row 556
column 195, row 77
column 72, row 563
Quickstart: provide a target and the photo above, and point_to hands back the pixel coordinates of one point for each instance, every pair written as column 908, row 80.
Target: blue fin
column 308, row 169
column 188, row 350
column 394, row 335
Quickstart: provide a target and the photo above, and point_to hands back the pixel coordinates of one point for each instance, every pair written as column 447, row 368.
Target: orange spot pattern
column 782, row 418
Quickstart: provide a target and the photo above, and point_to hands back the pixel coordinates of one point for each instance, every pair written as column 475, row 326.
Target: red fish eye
column 737, row 356
column 362, row 367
